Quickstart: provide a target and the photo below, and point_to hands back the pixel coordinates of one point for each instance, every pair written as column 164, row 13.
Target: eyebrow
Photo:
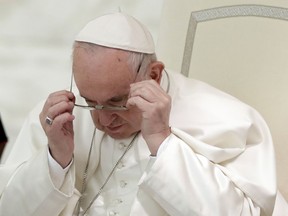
column 117, row 97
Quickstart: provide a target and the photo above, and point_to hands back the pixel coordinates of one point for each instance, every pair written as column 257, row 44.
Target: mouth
column 114, row 128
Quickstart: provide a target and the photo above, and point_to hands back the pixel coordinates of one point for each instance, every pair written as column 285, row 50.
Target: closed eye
column 90, row 103
column 118, row 99
column 112, row 101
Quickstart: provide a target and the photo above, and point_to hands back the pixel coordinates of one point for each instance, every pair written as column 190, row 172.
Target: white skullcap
column 119, row 31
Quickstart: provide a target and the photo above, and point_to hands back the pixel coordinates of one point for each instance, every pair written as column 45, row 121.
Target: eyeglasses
column 103, row 107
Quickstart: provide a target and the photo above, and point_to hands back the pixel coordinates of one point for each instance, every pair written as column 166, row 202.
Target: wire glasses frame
column 103, row 107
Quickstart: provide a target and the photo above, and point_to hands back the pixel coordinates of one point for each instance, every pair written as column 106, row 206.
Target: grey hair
column 140, row 61
column 135, row 60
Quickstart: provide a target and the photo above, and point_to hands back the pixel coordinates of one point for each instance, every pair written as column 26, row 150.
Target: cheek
column 95, row 119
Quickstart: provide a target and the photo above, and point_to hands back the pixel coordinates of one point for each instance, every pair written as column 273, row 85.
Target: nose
column 106, row 117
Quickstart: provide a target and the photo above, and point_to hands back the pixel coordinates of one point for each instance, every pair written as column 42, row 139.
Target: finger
column 148, row 90
column 57, row 97
column 151, row 85
column 61, row 120
column 53, row 99
column 139, row 102
column 148, row 109
column 60, row 108
column 61, row 92
column 152, row 97
column 146, row 82
column 69, row 94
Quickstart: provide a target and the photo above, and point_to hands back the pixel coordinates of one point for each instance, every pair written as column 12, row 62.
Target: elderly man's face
column 104, row 77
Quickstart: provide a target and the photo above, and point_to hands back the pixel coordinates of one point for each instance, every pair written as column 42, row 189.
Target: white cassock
column 219, row 160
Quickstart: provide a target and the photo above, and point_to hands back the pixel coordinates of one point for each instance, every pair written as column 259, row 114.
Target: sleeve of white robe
column 27, row 188
column 233, row 181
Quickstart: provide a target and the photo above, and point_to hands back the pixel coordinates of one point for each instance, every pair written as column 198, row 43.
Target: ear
column 156, row 69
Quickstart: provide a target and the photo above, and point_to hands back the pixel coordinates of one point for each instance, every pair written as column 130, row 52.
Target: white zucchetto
column 118, row 30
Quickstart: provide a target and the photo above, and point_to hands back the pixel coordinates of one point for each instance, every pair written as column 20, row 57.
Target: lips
column 114, row 127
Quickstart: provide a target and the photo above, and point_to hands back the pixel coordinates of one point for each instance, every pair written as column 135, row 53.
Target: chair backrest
column 240, row 47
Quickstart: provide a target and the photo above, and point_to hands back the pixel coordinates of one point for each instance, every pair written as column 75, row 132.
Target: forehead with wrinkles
column 103, row 70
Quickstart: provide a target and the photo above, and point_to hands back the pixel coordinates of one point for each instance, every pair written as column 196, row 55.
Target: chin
column 119, row 135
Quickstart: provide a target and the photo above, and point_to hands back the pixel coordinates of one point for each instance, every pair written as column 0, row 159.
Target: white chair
column 240, row 47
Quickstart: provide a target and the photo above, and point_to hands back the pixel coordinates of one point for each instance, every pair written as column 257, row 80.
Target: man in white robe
column 157, row 143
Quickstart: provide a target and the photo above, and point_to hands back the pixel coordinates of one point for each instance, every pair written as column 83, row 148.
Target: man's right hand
column 60, row 134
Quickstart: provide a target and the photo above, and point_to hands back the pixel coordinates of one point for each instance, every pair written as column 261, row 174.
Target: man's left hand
column 155, row 105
